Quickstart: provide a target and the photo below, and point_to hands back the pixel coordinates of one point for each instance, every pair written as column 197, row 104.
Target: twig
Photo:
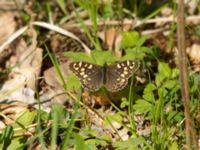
column 191, row 141
column 137, row 23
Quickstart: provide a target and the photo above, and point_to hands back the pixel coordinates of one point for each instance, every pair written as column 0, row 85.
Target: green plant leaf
column 164, row 72
column 17, row 143
column 173, row 146
column 170, row 84
column 109, row 118
column 6, row 137
column 79, row 56
column 79, row 142
column 25, row 118
column 142, row 106
column 148, row 92
column 164, row 69
column 62, row 5
column 130, row 144
column 102, row 57
column 130, row 39
column 107, row 10
column 133, row 53
column 124, row 103
column 159, row 79
column 73, row 83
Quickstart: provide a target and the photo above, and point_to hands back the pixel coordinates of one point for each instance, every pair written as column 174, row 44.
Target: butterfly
column 113, row 77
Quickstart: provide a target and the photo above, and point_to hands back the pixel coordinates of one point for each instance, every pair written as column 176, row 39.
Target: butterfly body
column 113, row 77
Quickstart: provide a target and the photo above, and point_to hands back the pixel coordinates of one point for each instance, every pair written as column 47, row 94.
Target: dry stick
column 190, row 132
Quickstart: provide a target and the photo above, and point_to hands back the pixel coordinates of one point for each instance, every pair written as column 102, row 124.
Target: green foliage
column 6, row 137
column 130, row 39
column 174, row 146
column 7, row 140
column 130, row 144
column 73, row 83
column 160, row 103
column 198, row 30
column 62, row 5
column 106, row 10
column 25, row 118
column 96, row 57
column 17, row 143
column 79, row 143
column 57, row 116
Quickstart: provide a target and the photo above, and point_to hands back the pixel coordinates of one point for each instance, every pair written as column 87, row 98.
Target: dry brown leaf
column 194, row 55
column 52, row 78
column 95, row 100
column 7, row 26
column 10, row 5
column 112, row 38
column 192, row 6
column 21, row 84
column 54, row 87
column 50, row 95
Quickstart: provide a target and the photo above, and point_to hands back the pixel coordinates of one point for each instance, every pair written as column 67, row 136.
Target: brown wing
column 90, row 75
column 117, row 75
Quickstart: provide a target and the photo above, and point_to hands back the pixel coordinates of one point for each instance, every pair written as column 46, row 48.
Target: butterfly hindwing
column 117, row 75
column 90, row 75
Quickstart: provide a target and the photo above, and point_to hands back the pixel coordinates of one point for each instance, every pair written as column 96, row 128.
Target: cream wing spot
column 82, row 69
column 122, row 80
column 122, row 75
column 128, row 63
column 118, row 66
column 82, row 73
column 131, row 67
column 85, row 76
column 90, row 66
column 125, row 72
column 80, row 64
column 75, row 66
column 118, row 79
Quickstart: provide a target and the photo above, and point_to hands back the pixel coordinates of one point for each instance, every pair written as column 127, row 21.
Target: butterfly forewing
column 90, row 75
column 117, row 75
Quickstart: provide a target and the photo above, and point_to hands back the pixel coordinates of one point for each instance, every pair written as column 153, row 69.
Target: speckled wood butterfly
column 114, row 77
